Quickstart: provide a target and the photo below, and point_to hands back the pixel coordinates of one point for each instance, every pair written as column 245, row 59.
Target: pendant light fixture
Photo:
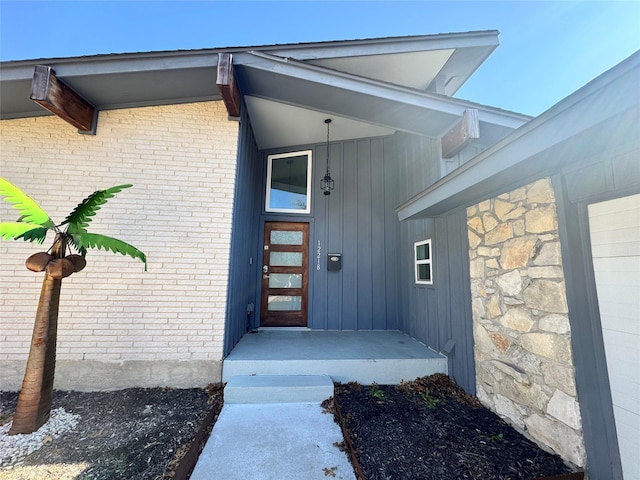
column 326, row 184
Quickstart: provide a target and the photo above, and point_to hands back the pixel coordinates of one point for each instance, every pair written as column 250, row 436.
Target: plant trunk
column 34, row 402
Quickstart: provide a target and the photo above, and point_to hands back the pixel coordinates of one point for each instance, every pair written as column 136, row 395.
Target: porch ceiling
column 301, row 126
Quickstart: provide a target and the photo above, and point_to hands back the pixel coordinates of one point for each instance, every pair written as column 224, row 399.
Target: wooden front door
column 285, row 274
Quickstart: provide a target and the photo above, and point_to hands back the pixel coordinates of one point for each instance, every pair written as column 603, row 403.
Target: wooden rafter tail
column 227, row 85
column 461, row 134
column 54, row 95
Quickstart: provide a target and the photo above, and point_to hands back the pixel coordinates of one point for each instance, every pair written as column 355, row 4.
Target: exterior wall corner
column 523, row 354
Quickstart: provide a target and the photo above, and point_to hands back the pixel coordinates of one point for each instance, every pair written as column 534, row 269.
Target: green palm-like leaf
column 86, row 240
column 29, row 210
column 79, row 219
column 37, row 235
column 31, row 232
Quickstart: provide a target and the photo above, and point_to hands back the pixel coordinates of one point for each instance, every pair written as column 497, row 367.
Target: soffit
column 281, row 125
column 115, row 81
column 414, row 58
column 414, row 69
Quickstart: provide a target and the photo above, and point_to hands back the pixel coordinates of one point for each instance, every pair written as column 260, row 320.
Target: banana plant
column 33, row 225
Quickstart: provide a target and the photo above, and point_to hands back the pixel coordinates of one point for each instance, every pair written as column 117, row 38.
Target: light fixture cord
column 328, row 149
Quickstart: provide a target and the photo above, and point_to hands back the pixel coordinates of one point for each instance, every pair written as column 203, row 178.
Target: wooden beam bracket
column 461, row 134
column 227, row 85
column 94, row 124
column 54, row 95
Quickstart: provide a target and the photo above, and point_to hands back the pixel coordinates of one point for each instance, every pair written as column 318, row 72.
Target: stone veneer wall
column 524, row 361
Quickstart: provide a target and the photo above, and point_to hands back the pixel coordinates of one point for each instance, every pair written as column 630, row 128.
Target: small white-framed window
column 423, row 266
column 289, row 182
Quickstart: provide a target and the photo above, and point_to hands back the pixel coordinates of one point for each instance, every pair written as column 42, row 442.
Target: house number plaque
column 318, row 254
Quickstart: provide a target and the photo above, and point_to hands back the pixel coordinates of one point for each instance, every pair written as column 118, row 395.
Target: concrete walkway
column 274, row 427
column 274, row 441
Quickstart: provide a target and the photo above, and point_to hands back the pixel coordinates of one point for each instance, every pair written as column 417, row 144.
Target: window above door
column 289, row 182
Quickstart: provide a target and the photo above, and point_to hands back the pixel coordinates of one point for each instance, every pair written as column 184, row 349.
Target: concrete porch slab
column 383, row 357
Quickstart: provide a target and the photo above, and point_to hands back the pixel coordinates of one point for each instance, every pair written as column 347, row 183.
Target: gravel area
column 15, row 447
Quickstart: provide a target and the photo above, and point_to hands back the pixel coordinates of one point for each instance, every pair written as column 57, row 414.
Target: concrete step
column 278, row 389
column 384, row 371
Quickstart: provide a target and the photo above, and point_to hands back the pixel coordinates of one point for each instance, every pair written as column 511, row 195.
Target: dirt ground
column 426, row 429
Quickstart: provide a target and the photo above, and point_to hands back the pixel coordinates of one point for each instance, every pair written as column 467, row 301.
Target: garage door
column 615, row 241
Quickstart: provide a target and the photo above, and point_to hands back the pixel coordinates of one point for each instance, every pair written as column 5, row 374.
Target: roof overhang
column 369, row 87
column 116, row 81
column 589, row 122
column 413, row 61
column 379, row 104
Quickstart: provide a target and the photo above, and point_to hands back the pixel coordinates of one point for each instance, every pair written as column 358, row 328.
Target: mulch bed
column 141, row 433
column 425, row 429
column 432, row 429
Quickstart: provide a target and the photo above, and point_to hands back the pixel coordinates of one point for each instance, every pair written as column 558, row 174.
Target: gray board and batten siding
column 438, row 315
column 358, row 221
column 375, row 289
column 243, row 286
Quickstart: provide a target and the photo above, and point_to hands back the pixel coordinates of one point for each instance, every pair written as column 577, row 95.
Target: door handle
column 264, row 277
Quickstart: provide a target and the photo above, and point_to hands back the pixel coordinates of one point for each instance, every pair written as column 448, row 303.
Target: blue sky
column 548, row 49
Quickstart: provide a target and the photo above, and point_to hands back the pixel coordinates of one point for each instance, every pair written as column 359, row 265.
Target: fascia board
column 602, row 99
column 108, row 65
column 403, row 95
column 389, row 45
column 400, row 43
column 145, row 61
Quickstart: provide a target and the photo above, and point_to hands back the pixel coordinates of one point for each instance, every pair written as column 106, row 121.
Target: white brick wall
column 181, row 160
